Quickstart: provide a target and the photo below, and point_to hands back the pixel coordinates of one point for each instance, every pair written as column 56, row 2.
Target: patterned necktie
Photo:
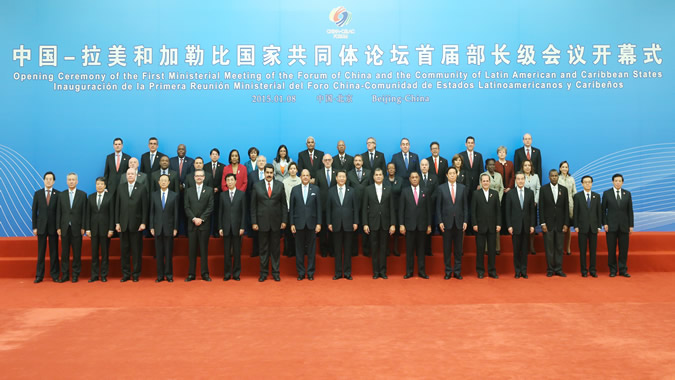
column 529, row 157
column 358, row 172
column 152, row 159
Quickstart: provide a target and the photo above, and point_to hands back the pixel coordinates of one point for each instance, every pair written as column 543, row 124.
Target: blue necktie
column 405, row 158
column 328, row 177
column 304, row 194
column 588, row 200
column 163, row 200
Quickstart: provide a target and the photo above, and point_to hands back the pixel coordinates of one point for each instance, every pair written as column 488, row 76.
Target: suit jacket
column 145, row 162
column 415, row 217
column 342, row 216
column 100, row 221
column 516, row 217
column 617, row 216
column 378, row 162
column 450, row 213
column 429, row 186
column 199, row 208
column 242, row 177
column 44, row 217
column 75, row 216
column 359, row 185
column 338, row 165
column 142, row 179
column 587, row 219
column 442, row 175
column 487, row 215
column 131, row 211
column 188, row 163
column 208, row 180
column 322, row 182
column 174, row 181
column 305, row 215
column 232, row 212
column 554, row 215
column 164, row 220
column 111, row 174
column 305, row 163
column 269, row 212
column 535, row 156
column 378, row 215
column 218, row 177
column 413, row 165
column 472, row 173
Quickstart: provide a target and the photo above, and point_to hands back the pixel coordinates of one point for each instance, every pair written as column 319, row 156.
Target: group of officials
column 339, row 198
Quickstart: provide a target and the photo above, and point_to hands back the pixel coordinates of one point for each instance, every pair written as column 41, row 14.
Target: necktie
column 358, row 172
column 470, row 159
column 588, row 200
column 49, row 196
column 213, row 170
column 180, row 168
column 131, row 189
column 152, row 159
column 260, row 175
column 342, row 196
column 117, row 162
column 415, row 194
column 405, row 158
column 163, row 200
column 98, row 201
column 618, row 197
column 311, row 159
column 436, row 164
column 520, row 196
column 528, row 154
column 342, row 160
column 304, row 194
column 164, row 171
column 425, row 178
column 71, row 195
column 452, row 193
column 372, row 159
column 328, row 177
column 231, row 195
column 269, row 189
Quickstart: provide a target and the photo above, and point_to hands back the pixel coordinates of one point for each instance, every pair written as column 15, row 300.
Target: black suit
column 472, row 172
column 174, row 181
column 453, row 215
column 587, row 221
column 146, row 166
column 359, row 185
column 199, row 206
column 339, row 165
column 429, row 186
column 305, row 216
column 555, row 215
column 441, row 175
column 100, row 220
column 416, row 218
column 217, row 177
column 71, row 220
column 486, row 214
column 325, row 236
column 269, row 212
column 401, row 170
column 130, row 213
column 44, row 221
column 208, row 180
column 379, row 216
column 164, row 220
column 521, row 219
column 314, row 164
column 342, row 218
column 232, row 219
column 174, row 164
column 535, row 156
column 378, row 162
column 111, row 174
column 618, row 216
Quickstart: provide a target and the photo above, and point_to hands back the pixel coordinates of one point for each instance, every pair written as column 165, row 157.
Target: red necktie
column 452, row 192
column 311, row 159
column 269, row 190
column 528, row 155
column 180, row 167
column 436, row 164
column 49, row 196
column 471, row 159
column 117, row 162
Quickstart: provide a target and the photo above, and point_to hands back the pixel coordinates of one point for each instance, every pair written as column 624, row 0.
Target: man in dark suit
column 141, row 178
column 342, row 214
column 438, row 164
column 198, row 209
column 164, row 226
column 116, row 165
column 486, row 220
column 406, row 162
column 208, row 177
column 379, row 221
column 310, row 158
column 528, row 152
column 174, row 181
column 254, row 177
column 472, row 162
column 44, row 227
column 325, row 179
column 131, row 218
column 342, row 161
column 71, row 214
column 554, row 212
column 305, row 220
column 588, row 222
column 150, row 159
column 521, row 217
column 452, row 209
column 100, row 224
column 269, row 215
column 216, row 169
column 358, row 179
column 373, row 159
column 414, row 219
column 617, row 217
column 181, row 164
column 429, row 184
column 232, row 222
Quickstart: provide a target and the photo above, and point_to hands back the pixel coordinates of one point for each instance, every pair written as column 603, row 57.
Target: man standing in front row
column 100, row 225
column 379, row 221
column 414, row 219
column 617, row 217
column 164, row 226
column 232, row 222
column 554, row 212
column 452, row 208
column 44, row 227
column 588, row 222
column 305, row 220
column 269, row 215
column 198, row 209
column 486, row 219
column 70, row 218
column 131, row 216
column 521, row 217
column 342, row 216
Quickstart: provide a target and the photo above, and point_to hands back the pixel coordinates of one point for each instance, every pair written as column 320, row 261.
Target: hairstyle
column 228, row 175
column 199, row 158
column 586, row 176
column 434, row 143
column 371, row 138
column 71, row 173
column 200, row 170
column 340, row 171
column 378, row 170
column 469, row 138
column 520, row 172
column 406, row 139
column 560, row 166
column 164, row 175
column 522, row 166
column 552, row 171
column 617, row 175
column 153, row 138
column 102, row 179
column 48, row 173
column 278, row 157
column 268, row 166
column 293, row 164
column 502, row 147
column 252, row 149
column 453, row 168
column 214, row 150
column 455, row 158
column 484, row 175
column 359, row 156
column 118, row 139
column 229, row 158
column 488, row 161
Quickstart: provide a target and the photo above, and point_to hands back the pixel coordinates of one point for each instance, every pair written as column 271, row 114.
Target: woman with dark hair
column 237, row 169
column 565, row 179
column 280, row 163
column 253, row 154
column 457, row 162
column 292, row 180
column 532, row 183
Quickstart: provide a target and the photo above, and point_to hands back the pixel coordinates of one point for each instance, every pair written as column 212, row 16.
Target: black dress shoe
column 135, row 279
column 124, row 279
column 517, row 275
column 424, row 276
column 37, row 281
column 407, row 275
column 612, row 275
column 569, row 253
column 300, row 278
column 170, row 279
column 624, row 275
column 459, row 276
column 336, row 277
column 593, row 274
column 349, row 277
column 561, row 274
column 447, row 277
column 495, row 276
column 584, row 275
column 376, row 276
column 384, row 276
column 533, row 252
column 75, row 279
column 524, row 275
column 397, row 253
column 236, row 278
column 276, row 277
column 480, row 275
column 93, row 279
column 262, row 278
column 104, row 279
column 226, row 278
column 310, row 278
column 206, row 278
column 549, row 274
column 159, row 279
column 189, row 278
column 64, row 279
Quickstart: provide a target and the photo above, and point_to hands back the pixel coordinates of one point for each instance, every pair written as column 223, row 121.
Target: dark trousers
column 414, row 243
column 521, row 247
column 54, row 267
column 342, row 249
column 68, row 241
column 164, row 255
column 304, row 245
column 378, row 250
column 198, row 239
column 365, row 244
column 481, row 239
column 453, row 238
column 554, row 250
column 289, row 242
column 232, row 255
column 269, row 248
column 99, row 243
column 131, row 242
column 325, row 241
column 393, row 244
column 622, row 239
column 590, row 241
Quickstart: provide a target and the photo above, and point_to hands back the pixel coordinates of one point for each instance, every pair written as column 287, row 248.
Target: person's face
column 527, row 167
column 452, row 176
column 501, row 154
column 470, row 143
column 587, row 183
column 253, row 155
column 378, row 177
column 527, row 140
column 133, row 163
column 164, row 162
column 282, row 153
column 457, row 162
column 214, row 156
column 234, row 157
column 163, row 182
column 100, row 186
column 152, row 145
column 564, row 168
column 131, row 176
column 391, row 169
column 293, row 171
column 199, row 164
column 424, row 166
column 485, row 182
column 327, row 162
column 72, row 181
column 117, row 145
column 414, row 178
column 435, row 150
column 553, row 177
column 231, row 182
column 370, row 143
column 491, row 166
column 305, row 177
column 269, row 174
column 341, row 147
column 310, row 144
column 358, row 162
column 341, row 178
column 49, row 180
column 199, row 177
column 405, row 146
column 520, row 180
column 181, row 150
column 262, row 161
column 617, row 182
